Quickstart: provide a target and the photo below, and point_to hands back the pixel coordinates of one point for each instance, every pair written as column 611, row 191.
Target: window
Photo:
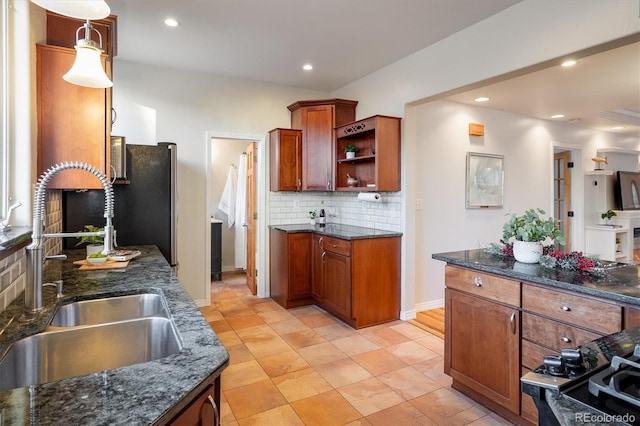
column 4, row 108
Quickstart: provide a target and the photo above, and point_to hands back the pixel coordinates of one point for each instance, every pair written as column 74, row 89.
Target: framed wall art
column 485, row 181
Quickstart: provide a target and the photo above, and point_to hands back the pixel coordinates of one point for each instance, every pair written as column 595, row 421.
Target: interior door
column 562, row 194
column 252, row 217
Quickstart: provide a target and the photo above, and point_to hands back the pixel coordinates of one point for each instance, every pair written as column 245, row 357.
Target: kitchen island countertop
column 140, row 394
column 347, row 232
column 619, row 282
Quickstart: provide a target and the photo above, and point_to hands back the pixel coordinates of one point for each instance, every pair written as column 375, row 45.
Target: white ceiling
column 347, row 39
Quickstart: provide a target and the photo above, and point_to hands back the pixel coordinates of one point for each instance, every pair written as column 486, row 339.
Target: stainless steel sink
column 110, row 309
column 57, row 354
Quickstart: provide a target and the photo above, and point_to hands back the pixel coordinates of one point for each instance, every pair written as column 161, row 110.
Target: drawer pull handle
column 565, row 339
column 216, row 413
column 565, row 308
column 512, row 321
column 477, row 281
column 320, row 241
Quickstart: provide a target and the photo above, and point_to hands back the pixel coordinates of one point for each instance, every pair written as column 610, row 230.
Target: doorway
column 224, row 153
column 567, row 186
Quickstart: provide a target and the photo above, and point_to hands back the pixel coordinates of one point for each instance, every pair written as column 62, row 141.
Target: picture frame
column 484, row 181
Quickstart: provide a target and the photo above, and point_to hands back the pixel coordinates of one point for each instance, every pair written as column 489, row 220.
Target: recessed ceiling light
column 170, row 22
column 557, row 116
column 569, row 63
column 482, row 99
column 617, row 128
column 307, row 67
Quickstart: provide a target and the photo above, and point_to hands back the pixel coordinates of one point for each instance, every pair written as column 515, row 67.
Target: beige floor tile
column 408, row 382
column 241, row 374
column 257, row 333
column 403, row 414
column 289, row 326
column 301, row 384
column 282, row 363
column 410, row 330
column 226, row 415
column 316, row 320
column 229, row 338
column 370, row 396
column 267, row 346
column 444, row 406
column 433, row 343
column 276, row 316
column 321, row 354
column 326, row 409
column 245, row 321
column 355, row 344
column 379, row 361
column 411, row 352
column 283, row 415
column 434, row 369
column 342, row 372
column 301, row 339
column 239, row 353
column 258, row 397
column 337, row 330
column 385, row 336
column 220, row 326
column 302, row 311
column 266, row 306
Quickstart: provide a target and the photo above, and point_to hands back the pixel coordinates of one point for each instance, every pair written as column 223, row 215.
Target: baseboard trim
column 408, row 315
column 200, row 303
column 427, row 306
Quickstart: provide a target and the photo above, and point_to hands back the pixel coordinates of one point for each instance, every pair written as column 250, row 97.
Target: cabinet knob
column 565, row 339
column 477, row 281
column 565, row 308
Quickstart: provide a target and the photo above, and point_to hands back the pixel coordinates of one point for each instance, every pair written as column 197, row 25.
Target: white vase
column 351, row 154
column 527, row 251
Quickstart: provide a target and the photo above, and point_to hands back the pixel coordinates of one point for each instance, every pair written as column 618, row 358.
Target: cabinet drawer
column 533, row 354
column 489, row 286
column 337, row 245
column 600, row 316
column 552, row 334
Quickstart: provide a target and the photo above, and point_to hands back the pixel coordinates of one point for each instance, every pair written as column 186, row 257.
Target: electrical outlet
column 296, row 204
column 418, row 204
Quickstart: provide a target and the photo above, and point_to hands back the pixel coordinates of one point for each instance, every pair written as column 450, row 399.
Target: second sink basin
column 110, row 309
column 58, row 354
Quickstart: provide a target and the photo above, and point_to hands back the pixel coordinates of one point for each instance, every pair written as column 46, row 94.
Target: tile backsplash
column 293, row 207
column 13, row 267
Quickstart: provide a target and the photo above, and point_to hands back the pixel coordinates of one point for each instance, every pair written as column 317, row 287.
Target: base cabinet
column 358, row 280
column 203, row 408
column 482, row 350
column 290, row 268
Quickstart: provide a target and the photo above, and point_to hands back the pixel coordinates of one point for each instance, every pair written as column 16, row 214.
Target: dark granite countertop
column 619, row 282
column 14, row 236
column 135, row 395
column 347, row 232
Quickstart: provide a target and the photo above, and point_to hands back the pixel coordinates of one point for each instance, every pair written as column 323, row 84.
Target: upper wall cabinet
column 317, row 120
column 285, row 154
column 73, row 121
column 376, row 165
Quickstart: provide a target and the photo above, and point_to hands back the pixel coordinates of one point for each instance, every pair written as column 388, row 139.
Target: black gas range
column 600, row 381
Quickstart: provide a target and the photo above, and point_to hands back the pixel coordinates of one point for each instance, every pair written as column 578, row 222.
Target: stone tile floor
column 302, row 366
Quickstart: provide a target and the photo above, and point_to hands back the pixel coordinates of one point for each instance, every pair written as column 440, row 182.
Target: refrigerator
column 146, row 203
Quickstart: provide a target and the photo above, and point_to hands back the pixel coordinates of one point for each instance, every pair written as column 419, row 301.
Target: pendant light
column 87, row 69
column 80, row 9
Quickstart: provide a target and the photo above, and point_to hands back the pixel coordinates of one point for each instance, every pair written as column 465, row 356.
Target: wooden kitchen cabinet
column 482, row 339
column 290, row 268
column 202, row 408
column 317, row 120
column 336, row 274
column 74, row 122
column 377, row 162
column 285, row 156
column 356, row 280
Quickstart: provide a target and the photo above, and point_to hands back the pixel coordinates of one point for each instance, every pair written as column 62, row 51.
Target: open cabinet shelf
column 376, row 165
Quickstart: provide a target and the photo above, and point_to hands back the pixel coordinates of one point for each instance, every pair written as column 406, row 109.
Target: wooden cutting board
column 109, row 264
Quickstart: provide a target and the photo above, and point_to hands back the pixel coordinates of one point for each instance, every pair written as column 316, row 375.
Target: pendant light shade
column 87, row 68
column 81, row 9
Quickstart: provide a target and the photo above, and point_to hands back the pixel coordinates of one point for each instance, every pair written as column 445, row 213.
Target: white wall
column 527, row 146
column 160, row 104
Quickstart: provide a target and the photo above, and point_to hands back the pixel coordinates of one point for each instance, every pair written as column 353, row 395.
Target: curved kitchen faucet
column 35, row 250
column 4, row 225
